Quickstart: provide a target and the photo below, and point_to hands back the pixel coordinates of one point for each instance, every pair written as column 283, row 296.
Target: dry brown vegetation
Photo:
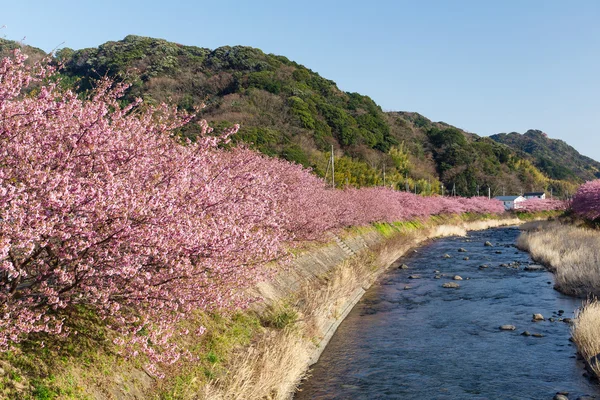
column 571, row 252
column 585, row 334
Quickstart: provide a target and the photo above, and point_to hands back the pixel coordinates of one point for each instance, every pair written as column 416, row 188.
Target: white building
column 511, row 202
column 535, row 195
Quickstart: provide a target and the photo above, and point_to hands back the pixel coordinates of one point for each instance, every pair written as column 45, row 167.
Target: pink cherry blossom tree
column 586, row 202
column 101, row 206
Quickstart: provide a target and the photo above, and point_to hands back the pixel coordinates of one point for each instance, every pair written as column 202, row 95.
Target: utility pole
column 383, row 174
column 551, row 189
column 489, row 193
column 477, row 190
column 332, row 169
column 442, row 189
column 454, row 189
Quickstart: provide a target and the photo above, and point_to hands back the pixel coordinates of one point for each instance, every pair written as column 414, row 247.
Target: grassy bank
column 573, row 254
column 260, row 353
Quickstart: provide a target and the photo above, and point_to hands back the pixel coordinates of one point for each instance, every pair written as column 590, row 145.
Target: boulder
column 457, row 278
column 462, row 250
column 488, row 244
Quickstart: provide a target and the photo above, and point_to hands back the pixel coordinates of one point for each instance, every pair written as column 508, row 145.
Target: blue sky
column 486, row 67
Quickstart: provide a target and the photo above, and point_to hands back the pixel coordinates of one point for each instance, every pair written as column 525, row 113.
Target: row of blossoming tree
column 101, row 206
column 536, row 205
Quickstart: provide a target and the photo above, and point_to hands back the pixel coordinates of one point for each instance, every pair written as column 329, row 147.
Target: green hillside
column 553, row 157
column 287, row 110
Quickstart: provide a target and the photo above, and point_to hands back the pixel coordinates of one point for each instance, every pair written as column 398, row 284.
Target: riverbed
column 410, row 338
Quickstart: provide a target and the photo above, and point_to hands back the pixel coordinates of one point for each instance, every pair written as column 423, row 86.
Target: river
column 430, row 342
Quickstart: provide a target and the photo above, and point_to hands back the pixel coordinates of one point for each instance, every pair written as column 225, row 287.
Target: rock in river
column 534, row 267
column 507, row 327
column 462, row 250
column 488, row 244
column 450, row 285
column 414, row 277
column 457, row 278
column 403, row 266
column 538, row 317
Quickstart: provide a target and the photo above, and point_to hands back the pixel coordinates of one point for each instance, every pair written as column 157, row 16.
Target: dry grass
column 573, row 253
column 585, row 334
column 267, row 370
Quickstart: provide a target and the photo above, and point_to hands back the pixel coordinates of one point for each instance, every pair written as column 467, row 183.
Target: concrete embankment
column 321, row 286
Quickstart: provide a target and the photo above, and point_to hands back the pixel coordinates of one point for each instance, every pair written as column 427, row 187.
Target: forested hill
column 554, row 157
column 290, row 111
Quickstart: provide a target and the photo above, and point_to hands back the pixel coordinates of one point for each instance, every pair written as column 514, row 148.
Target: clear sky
column 484, row 66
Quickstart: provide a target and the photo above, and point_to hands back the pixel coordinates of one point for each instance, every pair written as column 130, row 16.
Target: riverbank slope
column 260, row 353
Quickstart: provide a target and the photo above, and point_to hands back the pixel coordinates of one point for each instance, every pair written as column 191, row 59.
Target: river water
column 429, row 342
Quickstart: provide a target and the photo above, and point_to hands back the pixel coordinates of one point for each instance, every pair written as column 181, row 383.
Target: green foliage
column 43, row 392
column 279, row 316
